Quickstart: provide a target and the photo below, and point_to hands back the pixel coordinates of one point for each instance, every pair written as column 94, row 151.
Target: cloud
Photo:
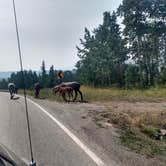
column 49, row 30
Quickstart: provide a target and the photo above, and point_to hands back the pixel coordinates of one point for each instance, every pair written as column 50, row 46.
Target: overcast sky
column 49, row 30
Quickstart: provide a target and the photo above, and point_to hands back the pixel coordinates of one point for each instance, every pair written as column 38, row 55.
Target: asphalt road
column 52, row 146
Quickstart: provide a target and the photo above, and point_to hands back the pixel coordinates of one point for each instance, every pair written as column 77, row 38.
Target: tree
column 131, row 76
column 3, row 84
column 44, row 77
column 145, row 23
column 103, row 54
column 51, row 77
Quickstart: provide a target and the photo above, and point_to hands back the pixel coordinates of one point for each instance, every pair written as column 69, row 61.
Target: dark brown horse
column 74, row 85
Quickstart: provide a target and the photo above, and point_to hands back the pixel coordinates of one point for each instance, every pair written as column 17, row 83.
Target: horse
column 64, row 90
column 74, row 85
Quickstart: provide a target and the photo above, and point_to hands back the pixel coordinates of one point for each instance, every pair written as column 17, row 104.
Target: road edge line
column 91, row 154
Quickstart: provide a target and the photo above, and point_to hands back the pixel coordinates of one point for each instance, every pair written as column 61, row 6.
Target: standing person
column 37, row 88
column 12, row 89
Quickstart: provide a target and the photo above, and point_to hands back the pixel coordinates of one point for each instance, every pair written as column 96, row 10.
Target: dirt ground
column 104, row 138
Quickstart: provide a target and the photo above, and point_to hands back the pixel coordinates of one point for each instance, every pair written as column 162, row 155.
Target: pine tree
column 43, row 74
column 103, row 54
column 51, row 77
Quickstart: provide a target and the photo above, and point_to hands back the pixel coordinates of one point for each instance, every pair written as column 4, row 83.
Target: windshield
column 83, row 82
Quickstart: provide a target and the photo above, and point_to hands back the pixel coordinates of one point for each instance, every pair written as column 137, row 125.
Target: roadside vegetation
column 138, row 129
column 113, row 94
column 137, row 126
column 108, row 94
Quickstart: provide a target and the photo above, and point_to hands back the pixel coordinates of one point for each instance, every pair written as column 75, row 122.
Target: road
column 52, row 145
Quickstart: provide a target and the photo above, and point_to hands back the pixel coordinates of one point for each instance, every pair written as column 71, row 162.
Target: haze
column 49, row 30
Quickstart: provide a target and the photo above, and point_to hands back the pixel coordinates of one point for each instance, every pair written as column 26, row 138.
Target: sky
column 49, row 30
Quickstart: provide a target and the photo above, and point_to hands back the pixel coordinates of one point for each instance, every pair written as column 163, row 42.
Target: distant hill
column 5, row 75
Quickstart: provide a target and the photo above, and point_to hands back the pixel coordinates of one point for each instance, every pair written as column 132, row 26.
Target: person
column 12, row 89
column 37, row 88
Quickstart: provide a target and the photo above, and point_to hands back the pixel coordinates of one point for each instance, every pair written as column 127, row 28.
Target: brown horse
column 74, row 85
column 66, row 90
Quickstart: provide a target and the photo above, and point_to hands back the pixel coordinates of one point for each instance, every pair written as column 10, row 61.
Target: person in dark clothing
column 12, row 89
column 37, row 88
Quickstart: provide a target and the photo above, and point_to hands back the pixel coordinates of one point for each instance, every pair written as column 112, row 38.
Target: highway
column 53, row 144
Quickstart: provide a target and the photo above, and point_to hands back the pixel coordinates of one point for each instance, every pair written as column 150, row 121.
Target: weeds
column 107, row 94
column 138, row 130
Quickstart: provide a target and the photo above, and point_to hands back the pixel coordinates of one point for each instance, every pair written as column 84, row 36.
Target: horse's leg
column 75, row 95
column 72, row 95
column 80, row 95
column 64, row 96
column 69, row 96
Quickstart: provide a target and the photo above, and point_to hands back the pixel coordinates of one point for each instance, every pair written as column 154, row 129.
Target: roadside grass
column 138, row 130
column 140, row 142
column 107, row 94
column 45, row 94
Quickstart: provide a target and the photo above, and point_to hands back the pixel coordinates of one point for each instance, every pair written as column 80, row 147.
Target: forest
column 128, row 50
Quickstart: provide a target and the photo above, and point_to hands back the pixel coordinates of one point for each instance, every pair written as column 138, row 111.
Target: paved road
column 51, row 145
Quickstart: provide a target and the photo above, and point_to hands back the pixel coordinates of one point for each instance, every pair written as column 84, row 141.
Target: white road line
column 92, row 155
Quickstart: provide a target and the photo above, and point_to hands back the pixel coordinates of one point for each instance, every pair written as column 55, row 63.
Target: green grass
column 134, row 139
column 45, row 93
column 150, row 131
column 138, row 135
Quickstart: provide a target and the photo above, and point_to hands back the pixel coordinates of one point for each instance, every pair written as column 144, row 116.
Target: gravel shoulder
column 104, row 140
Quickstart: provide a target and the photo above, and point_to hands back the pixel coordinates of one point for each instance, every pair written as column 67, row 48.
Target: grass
column 45, row 93
column 138, row 130
column 134, row 139
column 107, row 94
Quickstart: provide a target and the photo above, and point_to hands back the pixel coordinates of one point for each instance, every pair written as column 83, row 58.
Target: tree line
column 48, row 79
column 127, row 50
column 131, row 54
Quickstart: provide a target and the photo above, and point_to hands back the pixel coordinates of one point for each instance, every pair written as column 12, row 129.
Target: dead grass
column 138, row 129
column 139, row 122
column 107, row 94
